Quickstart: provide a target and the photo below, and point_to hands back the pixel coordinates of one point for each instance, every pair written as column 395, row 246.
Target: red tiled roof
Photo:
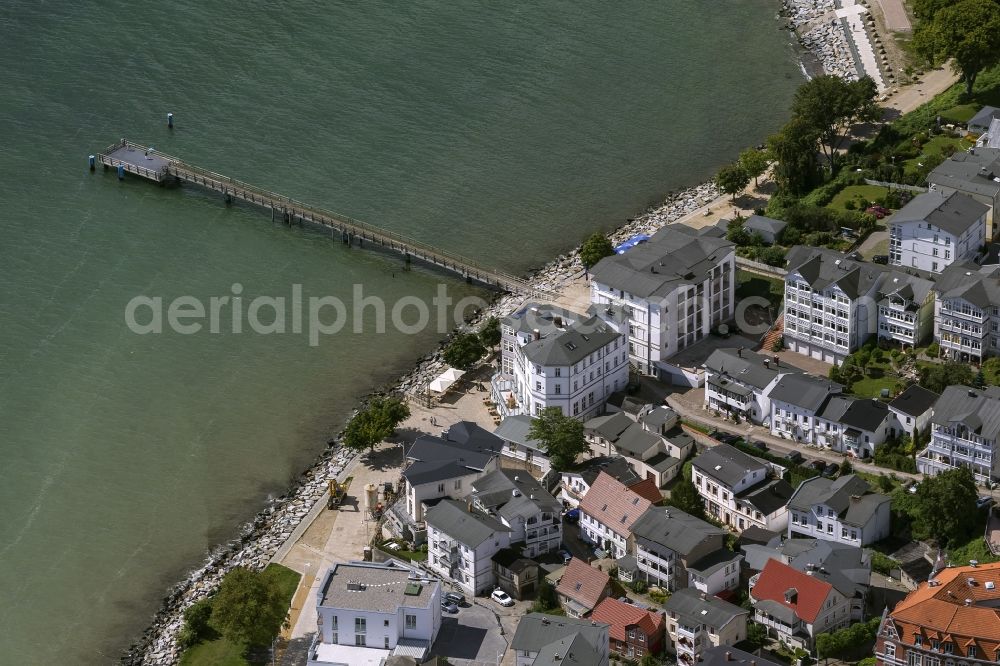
column 621, row 615
column 583, row 583
column 777, row 578
column 611, row 503
column 647, row 489
column 941, row 608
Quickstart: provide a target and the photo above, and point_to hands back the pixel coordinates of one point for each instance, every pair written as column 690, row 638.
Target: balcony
column 964, row 329
column 967, row 314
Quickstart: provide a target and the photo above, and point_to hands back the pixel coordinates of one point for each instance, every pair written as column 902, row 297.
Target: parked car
column 759, row 445
column 880, row 259
column 831, row 470
column 501, row 597
column 566, row 557
column 818, row 465
column 878, row 211
column 794, row 457
column 984, row 502
column 449, row 606
column 455, row 598
column 573, row 516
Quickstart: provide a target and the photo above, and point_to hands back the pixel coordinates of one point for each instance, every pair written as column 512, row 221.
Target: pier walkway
column 160, row 168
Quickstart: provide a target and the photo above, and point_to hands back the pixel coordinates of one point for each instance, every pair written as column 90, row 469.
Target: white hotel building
column 556, row 358
column 964, row 432
column 967, row 312
column 666, row 294
column 936, row 230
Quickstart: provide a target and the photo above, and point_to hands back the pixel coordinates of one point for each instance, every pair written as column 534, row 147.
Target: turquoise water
column 504, row 133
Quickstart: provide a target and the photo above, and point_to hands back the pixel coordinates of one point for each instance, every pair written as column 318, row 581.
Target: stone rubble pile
column 827, row 39
column 260, row 539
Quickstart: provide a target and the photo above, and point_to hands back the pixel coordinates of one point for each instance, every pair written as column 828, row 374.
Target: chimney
column 729, row 655
column 558, row 322
column 968, row 602
column 739, row 352
column 767, row 363
column 536, row 334
column 777, row 361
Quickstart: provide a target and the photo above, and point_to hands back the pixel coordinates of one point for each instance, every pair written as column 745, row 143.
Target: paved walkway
column 896, row 19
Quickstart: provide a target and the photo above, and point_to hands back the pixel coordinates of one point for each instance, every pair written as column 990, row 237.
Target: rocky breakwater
column 822, row 34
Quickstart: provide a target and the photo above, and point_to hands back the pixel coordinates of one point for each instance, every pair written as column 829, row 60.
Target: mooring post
column 407, row 255
column 170, row 120
column 272, row 214
column 121, row 172
column 93, row 162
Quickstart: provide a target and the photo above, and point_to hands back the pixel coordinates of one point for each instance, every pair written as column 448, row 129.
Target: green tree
column 754, row 162
column 845, row 468
column 375, row 423
column 830, row 104
column 736, row 232
column 756, row 635
column 940, row 376
column 884, row 483
column 649, row 660
column 595, row 248
column 560, row 435
column 196, row 627
column 862, row 359
column 926, row 9
column 796, row 170
column 545, row 599
column 967, row 31
column 685, row 497
column 248, row 609
column 991, row 370
column 489, row 334
column 731, row 179
column 945, row 506
column 464, row 351
column 933, row 350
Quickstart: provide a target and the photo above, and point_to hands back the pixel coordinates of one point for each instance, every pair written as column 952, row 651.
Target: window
column 385, row 623
column 972, row 651
column 458, row 484
column 359, row 631
column 558, row 389
column 558, row 372
column 949, row 647
column 440, row 487
column 890, row 650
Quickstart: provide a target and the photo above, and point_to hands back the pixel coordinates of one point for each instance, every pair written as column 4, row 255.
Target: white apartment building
column 697, row 622
column 912, row 410
column 550, row 639
column 976, row 173
column 739, row 381
column 964, row 432
column 368, row 611
column 844, row 510
column 967, row 312
column 555, row 358
column 905, row 308
column 462, row 544
column 523, row 505
column 737, row 489
column 667, row 541
column 575, row 484
column 607, row 512
column 831, row 303
column 666, row 294
column 794, row 606
column 935, row 230
column 654, row 445
column 519, row 450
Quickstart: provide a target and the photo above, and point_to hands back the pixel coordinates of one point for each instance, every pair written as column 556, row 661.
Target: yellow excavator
column 337, row 493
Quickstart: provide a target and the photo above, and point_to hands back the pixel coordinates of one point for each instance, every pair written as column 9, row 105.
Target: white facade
column 470, row 567
column 926, row 247
column 595, row 532
column 965, row 331
column 826, row 324
column 957, row 446
column 657, row 565
column 834, row 614
column 454, row 488
column 722, row 501
column 719, row 579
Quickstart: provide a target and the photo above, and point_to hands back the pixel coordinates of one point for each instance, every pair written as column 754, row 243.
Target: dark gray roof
column 767, row 497
column 669, row 259
column 805, row 391
column 635, row 440
column 985, row 116
column 979, row 285
column 511, row 559
column 495, row 491
column 727, row 655
column 913, row 288
column 615, row 466
column 609, row 426
column 713, row 611
column 761, row 223
column 627, row 403
column 454, row 519
column 515, row 429
column 726, row 463
column 659, row 417
column 669, row 527
column 756, row 535
column 536, row 630
column 572, row 650
column 541, row 317
column 954, row 213
column 565, row 347
column 774, row 609
column 865, row 414
column 978, row 410
column 821, row 268
column 843, row 566
column 914, row 401
column 962, row 171
column 463, row 449
column 849, row 496
column 662, row 461
column 746, row 367
column 712, row 562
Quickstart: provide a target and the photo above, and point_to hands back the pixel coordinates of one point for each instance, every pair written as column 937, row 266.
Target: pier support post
column 344, row 238
column 121, row 172
column 272, row 214
column 93, row 162
column 228, row 198
column 407, row 255
column 170, row 121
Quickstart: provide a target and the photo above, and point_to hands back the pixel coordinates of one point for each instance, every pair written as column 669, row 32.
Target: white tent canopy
column 444, row 381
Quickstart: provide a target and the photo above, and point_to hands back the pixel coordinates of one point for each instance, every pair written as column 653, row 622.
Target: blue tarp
column 631, row 243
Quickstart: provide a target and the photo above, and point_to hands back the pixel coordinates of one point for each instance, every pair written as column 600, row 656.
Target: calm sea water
column 507, row 133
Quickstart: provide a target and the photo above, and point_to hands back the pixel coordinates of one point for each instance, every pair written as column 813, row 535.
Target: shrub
column 850, row 204
column 779, row 344
column 933, row 350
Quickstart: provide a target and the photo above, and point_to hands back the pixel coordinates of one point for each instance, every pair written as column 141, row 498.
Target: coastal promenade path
column 161, row 168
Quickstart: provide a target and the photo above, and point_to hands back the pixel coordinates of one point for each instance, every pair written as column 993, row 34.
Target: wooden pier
column 158, row 167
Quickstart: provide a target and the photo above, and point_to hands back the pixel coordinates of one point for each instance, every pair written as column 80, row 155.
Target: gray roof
column 805, row 391
column 515, row 429
column 669, row 527
column 847, row 568
column 764, row 224
column 512, row 560
column 767, row 497
column 541, row 317
column 727, row 655
column 746, row 367
column 566, row 347
column 455, row 520
column 536, row 630
column 774, row 609
column 572, row 650
column 609, row 426
column 954, row 213
column 615, row 466
column 985, row 116
column 496, row 491
column 979, row 285
column 713, row 611
column 865, row 414
column 914, row 401
column 669, row 259
column 659, row 417
column 635, row 440
column 726, row 463
column 662, row 461
column 822, row 268
column 464, row 448
column 978, row 410
column 385, row 587
column 909, row 287
column 849, row 496
column 963, row 171
column 712, row 562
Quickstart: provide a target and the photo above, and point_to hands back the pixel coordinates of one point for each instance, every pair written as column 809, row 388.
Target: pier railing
column 292, row 208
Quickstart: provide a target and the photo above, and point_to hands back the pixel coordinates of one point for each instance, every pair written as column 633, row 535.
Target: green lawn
column 871, row 387
column 975, row 549
column 962, row 113
column 932, row 148
column 868, row 192
column 751, row 284
column 221, row 652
